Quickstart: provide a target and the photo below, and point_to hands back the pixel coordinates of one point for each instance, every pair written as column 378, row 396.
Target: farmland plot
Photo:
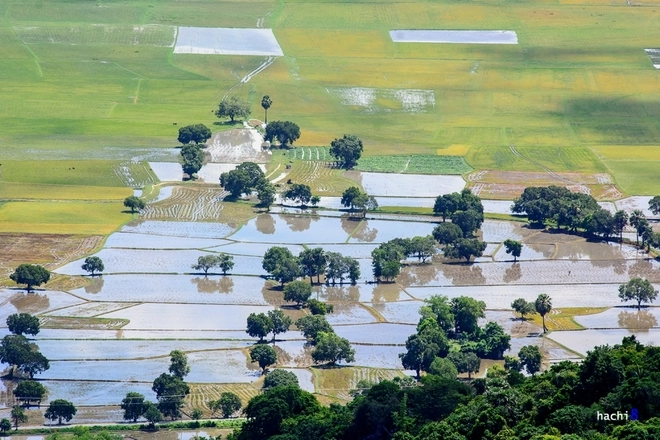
column 582, row 341
column 402, row 312
column 129, row 240
column 179, row 229
column 416, row 164
column 376, row 334
column 375, row 100
column 405, row 185
column 350, row 314
column 620, row 317
column 81, row 392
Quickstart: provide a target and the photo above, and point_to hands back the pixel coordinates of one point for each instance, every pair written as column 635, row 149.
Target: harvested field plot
column 375, row 100
column 89, row 309
column 237, row 146
column 582, row 341
column 407, row 185
column 386, row 334
column 350, row 314
column 139, row 261
column 136, row 174
column 179, row 229
column 167, row 171
column 98, row 34
column 13, row 301
column 151, row 241
column 94, row 393
column 501, row 297
column 227, row 41
column 186, row 316
column 460, row 37
column 321, row 177
column 620, row 317
column 178, row 289
column 127, row 349
column 414, row 164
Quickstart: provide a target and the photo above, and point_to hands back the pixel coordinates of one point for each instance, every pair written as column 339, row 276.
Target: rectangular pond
column 454, row 36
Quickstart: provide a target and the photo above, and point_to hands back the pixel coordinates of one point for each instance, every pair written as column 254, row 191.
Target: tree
column 312, row 325
column 447, row 233
column 298, row 292
column 170, row 392
column 196, row 414
column 31, row 275
column 28, row 391
column 637, row 289
column 17, row 351
column 347, row 150
column 23, row 324
column 266, row 194
column 280, row 321
column 18, row 416
column 465, row 248
column 530, row 358
column 281, row 264
column 654, row 205
column 317, row 307
column 513, row 247
column 620, row 222
column 315, row 200
column 543, row 306
column 444, row 368
column 285, row 132
column 465, row 362
column 93, row 264
column 264, row 355
column 225, row 262
column 332, row 348
column 259, row 325
column 133, row 406
column 233, row 108
column 192, row 158
column 523, row 307
column 421, row 351
column 5, row 426
column 229, row 404
column 637, row 219
column 349, row 196
column 280, row 378
column 300, row 193
column 469, row 221
column 60, row 409
column 365, row 202
column 266, row 102
column 179, row 364
column 245, row 178
column 493, row 341
column 467, row 312
column 205, row 263
column 422, row 247
column 134, row 203
column 197, row 134
column 313, row 263
column 152, row 414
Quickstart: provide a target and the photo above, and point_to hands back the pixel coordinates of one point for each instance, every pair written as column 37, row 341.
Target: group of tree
column 284, row 267
column 58, row 409
column 467, row 214
column 260, row 325
column 346, row 150
column 302, row 194
column 387, row 257
column 228, row 403
column 232, row 108
column 17, row 351
column 358, row 201
column 92, row 265
column 560, row 403
column 638, row 289
column 224, row 262
column 542, row 306
column 246, row 178
column 450, row 327
column 31, row 275
column 559, row 207
column 328, row 346
column 194, row 134
column 134, row 203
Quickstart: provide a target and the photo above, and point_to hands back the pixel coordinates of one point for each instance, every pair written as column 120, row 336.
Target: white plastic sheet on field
column 454, row 36
column 227, row 41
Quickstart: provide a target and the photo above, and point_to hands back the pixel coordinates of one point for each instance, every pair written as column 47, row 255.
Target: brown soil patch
column 506, row 185
column 49, row 250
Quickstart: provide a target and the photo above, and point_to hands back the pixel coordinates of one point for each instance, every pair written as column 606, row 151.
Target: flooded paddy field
column 149, row 291
column 582, row 341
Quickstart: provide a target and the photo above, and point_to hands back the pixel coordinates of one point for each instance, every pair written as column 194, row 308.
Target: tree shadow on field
column 229, row 123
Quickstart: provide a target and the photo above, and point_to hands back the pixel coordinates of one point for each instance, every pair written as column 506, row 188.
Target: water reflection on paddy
column 619, row 317
column 380, row 333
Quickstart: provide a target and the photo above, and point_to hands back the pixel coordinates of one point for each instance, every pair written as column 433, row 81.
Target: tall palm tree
column 543, row 306
column 266, row 102
column 636, row 217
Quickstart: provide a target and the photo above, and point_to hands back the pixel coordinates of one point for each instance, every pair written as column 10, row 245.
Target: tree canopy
column 297, row 292
column 281, row 264
column 244, row 179
column 28, row 391
column 232, row 108
column 299, row 192
column 332, row 349
column 23, row 324
column 134, row 203
column 229, row 403
column 192, row 158
column 30, row 275
column 197, row 134
column 286, row 133
column 266, row 103
column 59, row 409
column 133, row 406
column 638, row 289
column 513, row 247
column 280, row 378
column 17, row 351
column 259, row 325
column 347, row 150
column 93, row 264
column 264, row 355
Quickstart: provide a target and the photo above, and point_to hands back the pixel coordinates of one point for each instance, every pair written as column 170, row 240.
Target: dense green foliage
column 281, row 264
column 197, row 134
column 638, row 289
column 93, row 264
column 23, row 324
column 29, row 391
column 286, row 133
column 339, row 268
column 347, row 150
column 561, row 403
column 259, row 325
column 133, row 405
column 278, row 378
column 192, row 158
column 59, row 409
column 244, row 179
column 232, row 108
column 229, row 403
column 170, row 391
column 264, row 355
column 134, row 203
column 300, row 193
column 266, row 103
column 221, row 260
column 31, row 275
column 17, row 351
column 297, row 292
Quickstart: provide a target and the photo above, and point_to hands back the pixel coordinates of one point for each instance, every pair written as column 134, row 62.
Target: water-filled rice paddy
column 381, row 333
column 622, row 317
column 226, row 41
column 582, row 341
column 454, row 36
column 152, row 241
column 179, row 229
column 403, row 185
